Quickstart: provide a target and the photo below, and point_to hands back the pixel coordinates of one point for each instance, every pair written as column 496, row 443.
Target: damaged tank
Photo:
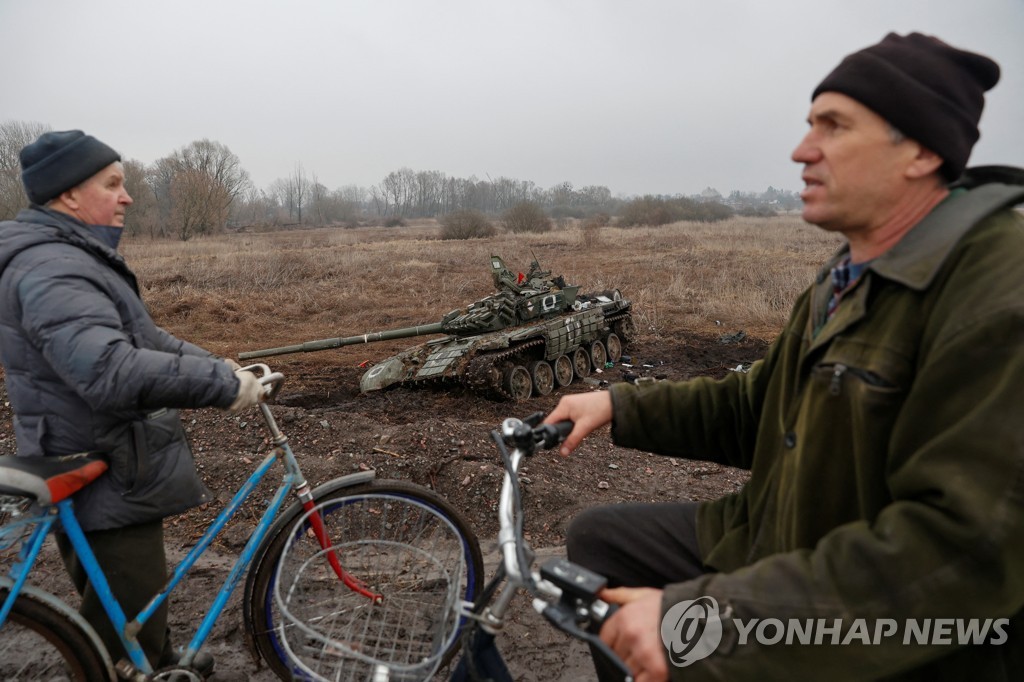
column 534, row 335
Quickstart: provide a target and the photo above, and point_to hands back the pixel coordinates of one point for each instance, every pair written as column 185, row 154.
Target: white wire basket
column 396, row 612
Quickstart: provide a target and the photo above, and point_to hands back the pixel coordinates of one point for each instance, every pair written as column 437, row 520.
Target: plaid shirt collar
column 845, row 275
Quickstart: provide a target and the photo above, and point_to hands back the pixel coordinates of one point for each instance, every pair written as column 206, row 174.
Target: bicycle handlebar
column 273, row 381
column 527, row 434
column 564, row 593
column 553, row 435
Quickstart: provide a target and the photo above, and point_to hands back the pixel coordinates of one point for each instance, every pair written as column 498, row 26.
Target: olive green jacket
column 886, row 451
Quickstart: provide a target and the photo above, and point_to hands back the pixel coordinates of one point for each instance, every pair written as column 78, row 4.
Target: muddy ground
column 440, row 440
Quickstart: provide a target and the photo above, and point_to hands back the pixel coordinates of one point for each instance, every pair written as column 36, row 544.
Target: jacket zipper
column 835, row 386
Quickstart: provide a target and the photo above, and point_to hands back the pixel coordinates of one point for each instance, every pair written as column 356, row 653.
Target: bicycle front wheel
column 404, row 556
column 39, row 643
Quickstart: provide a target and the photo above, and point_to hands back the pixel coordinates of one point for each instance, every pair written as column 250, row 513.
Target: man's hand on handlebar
column 589, row 411
column 256, row 384
column 250, row 392
column 634, row 631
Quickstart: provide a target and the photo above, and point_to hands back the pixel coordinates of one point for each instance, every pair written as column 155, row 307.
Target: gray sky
column 642, row 96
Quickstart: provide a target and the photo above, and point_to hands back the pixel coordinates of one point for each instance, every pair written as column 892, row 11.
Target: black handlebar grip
column 550, row 435
column 563, row 429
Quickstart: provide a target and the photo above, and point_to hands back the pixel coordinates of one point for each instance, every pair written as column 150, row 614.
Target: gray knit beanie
column 58, row 161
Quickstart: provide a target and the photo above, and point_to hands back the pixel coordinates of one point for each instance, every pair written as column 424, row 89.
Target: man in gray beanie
column 86, row 369
column 879, row 535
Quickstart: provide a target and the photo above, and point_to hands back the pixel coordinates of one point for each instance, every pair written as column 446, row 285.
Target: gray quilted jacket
column 88, row 370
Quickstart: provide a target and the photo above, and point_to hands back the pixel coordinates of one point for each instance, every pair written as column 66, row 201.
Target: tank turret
column 534, row 334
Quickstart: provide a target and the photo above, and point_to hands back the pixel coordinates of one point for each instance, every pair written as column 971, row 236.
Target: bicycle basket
column 381, row 602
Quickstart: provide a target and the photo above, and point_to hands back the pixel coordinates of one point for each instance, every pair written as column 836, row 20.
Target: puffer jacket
column 88, row 370
column 886, row 458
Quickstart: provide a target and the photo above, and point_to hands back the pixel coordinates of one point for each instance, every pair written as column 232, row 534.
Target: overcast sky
column 655, row 96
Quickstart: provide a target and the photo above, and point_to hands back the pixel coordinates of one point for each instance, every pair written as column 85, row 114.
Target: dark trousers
column 134, row 562
column 636, row 545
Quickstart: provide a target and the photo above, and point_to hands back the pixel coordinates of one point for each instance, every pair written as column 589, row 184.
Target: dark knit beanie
column 58, row 161
column 932, row 92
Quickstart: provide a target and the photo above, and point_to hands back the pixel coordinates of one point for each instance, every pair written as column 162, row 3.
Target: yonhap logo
column 691, row 630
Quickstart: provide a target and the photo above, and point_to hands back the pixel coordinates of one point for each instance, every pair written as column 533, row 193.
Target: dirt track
column 437, row 439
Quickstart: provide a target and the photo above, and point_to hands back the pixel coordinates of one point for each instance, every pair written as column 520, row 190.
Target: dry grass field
column 252, row 290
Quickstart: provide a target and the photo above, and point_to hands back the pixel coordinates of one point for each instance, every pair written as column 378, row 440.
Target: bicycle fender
column 346, row 481
column 53, row 602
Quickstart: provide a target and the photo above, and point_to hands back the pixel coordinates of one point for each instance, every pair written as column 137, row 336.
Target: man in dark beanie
column 87, row 370
column 879, row 535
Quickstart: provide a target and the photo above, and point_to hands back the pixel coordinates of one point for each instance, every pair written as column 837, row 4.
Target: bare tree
column 427, row 191
column 14, row 135
column 300, row 188
column 381, row 201
column 283, row 192
column 199, row 206
column 398, row 190
column 144, row 214
column 196, row 186
column 318, row 201
column 254, row 207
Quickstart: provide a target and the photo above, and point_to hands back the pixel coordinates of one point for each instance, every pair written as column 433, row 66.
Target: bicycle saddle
column 48, row 480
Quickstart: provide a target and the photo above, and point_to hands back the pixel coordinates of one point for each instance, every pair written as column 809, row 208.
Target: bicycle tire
column 263, row 614
column 39, row 643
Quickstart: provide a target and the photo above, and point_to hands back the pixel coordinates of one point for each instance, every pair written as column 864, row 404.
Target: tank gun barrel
column 327, row 344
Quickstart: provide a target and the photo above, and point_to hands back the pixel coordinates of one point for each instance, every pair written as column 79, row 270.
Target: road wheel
column 517, row 383
column 563, row 371
column 613, row 294
column 614, row 347
column 598, row 355
column 625, row 329
column 581, row 363
column 543, row 377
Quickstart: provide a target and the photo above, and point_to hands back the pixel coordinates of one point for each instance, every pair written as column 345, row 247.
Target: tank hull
column 484, row 361
column 535, row 333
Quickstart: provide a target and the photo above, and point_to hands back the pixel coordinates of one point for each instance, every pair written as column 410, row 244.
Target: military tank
column 534, row 335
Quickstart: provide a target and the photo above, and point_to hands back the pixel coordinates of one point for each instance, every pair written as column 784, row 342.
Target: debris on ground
column 735, row 337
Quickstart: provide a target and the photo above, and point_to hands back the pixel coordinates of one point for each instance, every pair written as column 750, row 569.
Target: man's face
column 102, row 199
column 853, row 170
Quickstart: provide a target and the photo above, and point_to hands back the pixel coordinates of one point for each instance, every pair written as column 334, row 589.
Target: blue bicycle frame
column 128, row 630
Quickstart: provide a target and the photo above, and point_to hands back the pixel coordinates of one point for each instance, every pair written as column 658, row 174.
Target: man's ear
column 69, row 198
column 924, row 163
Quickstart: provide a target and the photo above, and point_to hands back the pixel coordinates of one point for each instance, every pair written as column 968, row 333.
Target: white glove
column 250, row 392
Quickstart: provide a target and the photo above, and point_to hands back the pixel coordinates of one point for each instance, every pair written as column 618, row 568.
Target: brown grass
column 246, row 291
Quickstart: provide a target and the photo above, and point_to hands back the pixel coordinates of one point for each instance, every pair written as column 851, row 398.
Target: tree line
column 202, row 188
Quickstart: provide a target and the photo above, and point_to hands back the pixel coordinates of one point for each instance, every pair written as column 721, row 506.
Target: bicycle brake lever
column 534, row 419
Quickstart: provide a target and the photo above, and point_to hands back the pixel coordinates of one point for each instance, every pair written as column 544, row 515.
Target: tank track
column 483, row 372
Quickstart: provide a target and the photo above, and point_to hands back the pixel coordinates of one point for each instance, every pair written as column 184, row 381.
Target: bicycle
column 564, row 593
column 381, row 561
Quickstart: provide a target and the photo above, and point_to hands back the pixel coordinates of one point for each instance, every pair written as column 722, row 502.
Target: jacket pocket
column 121, row 443
column 838, row 374
column 133, row 444
column 167, row 481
